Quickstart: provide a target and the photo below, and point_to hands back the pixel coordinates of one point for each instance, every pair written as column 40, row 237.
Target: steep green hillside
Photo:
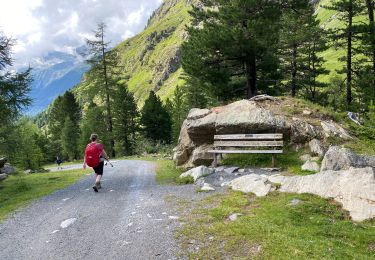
column 151, row 59
column 329, row 20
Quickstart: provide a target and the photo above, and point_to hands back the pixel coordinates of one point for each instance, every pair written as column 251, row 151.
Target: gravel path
column 128, row 219
column 68, row 167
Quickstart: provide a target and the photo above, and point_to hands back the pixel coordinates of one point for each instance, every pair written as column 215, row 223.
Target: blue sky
column 62, row 25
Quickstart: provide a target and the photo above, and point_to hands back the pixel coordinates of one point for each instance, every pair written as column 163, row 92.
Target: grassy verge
column 168, row 173
column 17, row 191
column 288, row 161
column 271, row 228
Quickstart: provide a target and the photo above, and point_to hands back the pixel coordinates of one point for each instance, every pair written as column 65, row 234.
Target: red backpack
column 92, row 154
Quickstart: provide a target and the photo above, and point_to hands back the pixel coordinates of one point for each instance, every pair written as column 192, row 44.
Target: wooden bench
column 248, row 144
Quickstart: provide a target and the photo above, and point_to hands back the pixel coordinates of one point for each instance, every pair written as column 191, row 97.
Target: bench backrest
column 249, row 140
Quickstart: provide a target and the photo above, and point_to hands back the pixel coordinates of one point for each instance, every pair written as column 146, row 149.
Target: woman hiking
column 94, row 157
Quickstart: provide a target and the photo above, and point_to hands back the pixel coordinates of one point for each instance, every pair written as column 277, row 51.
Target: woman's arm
column 84, row 161
column 104, row 154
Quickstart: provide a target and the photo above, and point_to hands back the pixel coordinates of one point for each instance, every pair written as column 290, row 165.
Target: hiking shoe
column 95, row 188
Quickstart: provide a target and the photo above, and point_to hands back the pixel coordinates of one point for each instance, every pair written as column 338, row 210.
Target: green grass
column 50, row 165
column 288, row 161
column 270, row 228
column 168, row 173
column 17, row 191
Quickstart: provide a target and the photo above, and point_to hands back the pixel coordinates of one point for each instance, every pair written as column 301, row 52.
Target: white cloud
column 136, row 17
column 44, row 25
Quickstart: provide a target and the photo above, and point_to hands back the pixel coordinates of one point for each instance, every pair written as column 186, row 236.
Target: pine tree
column 93, row 122
column 301, row 41
column 233, row 41
column 64, row 106
column 312, row 61
column 69, row 139
column 347, row 36
column 178, row 110
column 197, row 92
column 125, row 118
column 371, row 36
column 156, row 120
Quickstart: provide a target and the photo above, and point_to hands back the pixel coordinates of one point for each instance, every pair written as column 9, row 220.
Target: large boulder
column 251, row 183
column 197, row 172
column 316, row 147
column 332, row 129
column 302, row 131
column 258, row 115
column 3, row 160
column 310, row 165
column 353, row 188
column 7, row 169
column 200, row 155
column 338, row 158
column 247, row 117
column 185, row 146
column 200, row 126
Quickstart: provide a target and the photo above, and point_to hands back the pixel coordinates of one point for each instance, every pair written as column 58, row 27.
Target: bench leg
column 215, row 160
column 273, row 160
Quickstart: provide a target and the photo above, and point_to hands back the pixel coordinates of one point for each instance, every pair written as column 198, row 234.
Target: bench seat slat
column 249, row 137
column 246, row 151
column 229, row 143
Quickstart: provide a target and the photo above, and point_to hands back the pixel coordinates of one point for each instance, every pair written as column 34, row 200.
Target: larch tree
column 100, row 72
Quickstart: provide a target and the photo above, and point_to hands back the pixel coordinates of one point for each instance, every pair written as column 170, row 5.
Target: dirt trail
column 128, row 219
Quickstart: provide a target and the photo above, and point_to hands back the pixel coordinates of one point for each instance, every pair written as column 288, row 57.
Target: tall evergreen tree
column 14, row 87
column 125, row 118
column 93, row 122
column 371, row 36
column 64, row 106
column 100, row 65
column 69, row 139
column 347, row 36
column 177, row 107
column 301, row 41
column 197, row 92
column 312, row 60
column 14, row 90
column 233, row 41
column 156, row 120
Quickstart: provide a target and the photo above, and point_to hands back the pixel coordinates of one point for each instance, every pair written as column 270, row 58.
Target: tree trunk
column 313, row 76
column 294, row 70
column 370, row 10
column 251, row 77
column 108, row 104
column 349, row 97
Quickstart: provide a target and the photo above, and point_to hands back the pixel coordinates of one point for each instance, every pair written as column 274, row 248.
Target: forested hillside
column 197, row 54
column 151, row 60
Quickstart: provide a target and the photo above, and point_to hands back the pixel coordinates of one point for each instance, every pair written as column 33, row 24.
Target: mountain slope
column 151, row 59
column 52, row 75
